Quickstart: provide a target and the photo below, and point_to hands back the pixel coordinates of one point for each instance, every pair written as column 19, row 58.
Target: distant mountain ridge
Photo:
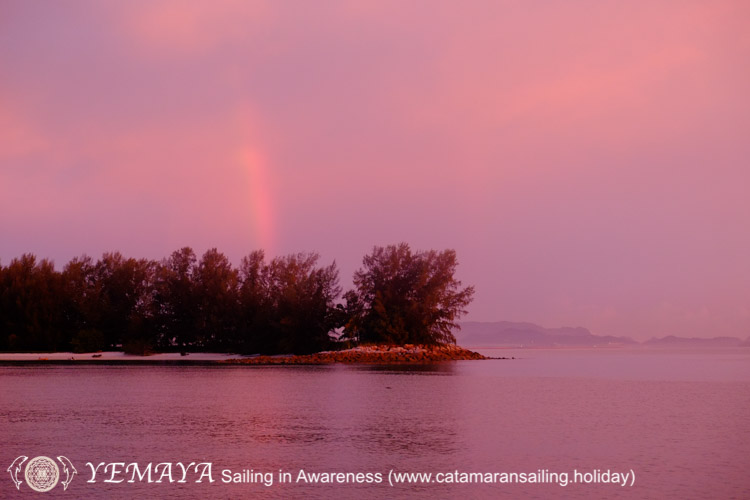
column 521, row 334
column 512, row 334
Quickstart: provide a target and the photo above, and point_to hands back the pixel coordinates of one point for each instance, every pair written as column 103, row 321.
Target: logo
column 42, row 473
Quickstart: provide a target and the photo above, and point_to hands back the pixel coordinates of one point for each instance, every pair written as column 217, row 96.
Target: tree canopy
column 286, row 305
column 406, row 297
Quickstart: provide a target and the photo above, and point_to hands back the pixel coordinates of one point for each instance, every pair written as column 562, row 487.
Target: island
column 404, row 307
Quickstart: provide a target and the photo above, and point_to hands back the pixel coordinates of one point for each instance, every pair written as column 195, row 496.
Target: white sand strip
column 115, row 356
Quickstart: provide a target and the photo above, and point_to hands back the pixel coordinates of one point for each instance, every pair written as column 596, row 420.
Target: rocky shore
column 374, row 354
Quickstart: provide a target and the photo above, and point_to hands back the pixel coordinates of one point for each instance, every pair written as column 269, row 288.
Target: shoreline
column 375, row 354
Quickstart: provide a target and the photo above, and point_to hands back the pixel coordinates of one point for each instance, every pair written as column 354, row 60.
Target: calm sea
column 678, row 421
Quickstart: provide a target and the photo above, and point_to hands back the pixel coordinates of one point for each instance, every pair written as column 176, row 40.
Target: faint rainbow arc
column 260, row 192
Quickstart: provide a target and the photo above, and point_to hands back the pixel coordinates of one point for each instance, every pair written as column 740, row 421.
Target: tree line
column 289, row 304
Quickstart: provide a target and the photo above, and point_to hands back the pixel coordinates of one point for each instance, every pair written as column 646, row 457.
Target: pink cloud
column 188, row 28
column 593, row 152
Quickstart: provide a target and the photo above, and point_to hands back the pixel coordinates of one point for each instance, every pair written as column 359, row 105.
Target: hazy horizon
column 588, row 162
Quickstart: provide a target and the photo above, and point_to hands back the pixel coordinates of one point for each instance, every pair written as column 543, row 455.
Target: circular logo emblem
column 42, row 474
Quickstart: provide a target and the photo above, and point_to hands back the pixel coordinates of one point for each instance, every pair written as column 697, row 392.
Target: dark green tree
column 81, row 307
column 406, row 297
column 288, row 304
column 31, row 308
column 305, row 296
column 124, row 291
column 177, row 300
column 253, row 316
column 216, row 296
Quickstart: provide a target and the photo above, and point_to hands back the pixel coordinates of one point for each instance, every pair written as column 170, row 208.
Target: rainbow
column 260, row 198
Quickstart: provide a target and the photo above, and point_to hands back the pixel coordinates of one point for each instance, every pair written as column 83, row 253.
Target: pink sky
column 588, row 160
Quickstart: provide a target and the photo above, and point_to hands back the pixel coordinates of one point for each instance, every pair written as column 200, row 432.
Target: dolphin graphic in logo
column 68, row 469
column 15, row 468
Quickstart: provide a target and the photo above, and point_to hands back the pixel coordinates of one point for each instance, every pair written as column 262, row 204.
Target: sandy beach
column 114, row 356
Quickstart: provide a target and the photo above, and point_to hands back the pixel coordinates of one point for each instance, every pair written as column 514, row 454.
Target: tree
column 31, row 308
column 253, row 317
column 81, row 305
column 216, row 294
column 405, row 297
column 288, row 304
column 177, row 299
column 125, row 298
column 304, row 297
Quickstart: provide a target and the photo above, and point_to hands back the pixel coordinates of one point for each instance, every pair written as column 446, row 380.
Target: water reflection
column 442, row 368
column 685, row 438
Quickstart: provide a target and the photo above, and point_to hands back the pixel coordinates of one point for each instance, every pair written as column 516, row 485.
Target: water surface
column 679, row 420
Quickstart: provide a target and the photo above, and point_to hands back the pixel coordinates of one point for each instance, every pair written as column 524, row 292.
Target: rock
column 370, row 354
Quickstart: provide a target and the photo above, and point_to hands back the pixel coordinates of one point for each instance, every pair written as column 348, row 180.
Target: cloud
column 186, row 28
column 21, row 136
column 592, row 150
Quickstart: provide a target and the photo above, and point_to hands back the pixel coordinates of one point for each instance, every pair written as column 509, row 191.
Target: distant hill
column 672, row 341
column 514, row 334
column 511, row 334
